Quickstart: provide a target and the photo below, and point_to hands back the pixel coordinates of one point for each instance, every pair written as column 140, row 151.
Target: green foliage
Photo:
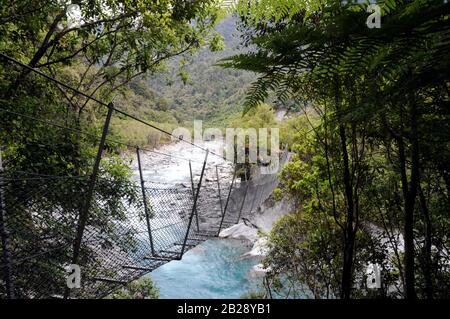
column 376, row 144
column 139, row 100
column 261, row 117
column 105, row 53
column 306, row 247
column 142, row 288
column 302, row 258
column 210, row 93
column 254, row 295
column 268, row 10
column 302, row 46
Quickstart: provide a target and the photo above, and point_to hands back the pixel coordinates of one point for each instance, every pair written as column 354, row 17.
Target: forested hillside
column 86, row 85
column 370, row 173
column 188, row 87
column 210, row 93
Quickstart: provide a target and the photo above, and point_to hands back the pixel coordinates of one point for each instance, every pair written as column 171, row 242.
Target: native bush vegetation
column 370, row 171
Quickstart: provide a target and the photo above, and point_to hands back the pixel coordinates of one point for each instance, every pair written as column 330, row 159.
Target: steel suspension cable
column 89, row 97
column 74, row 130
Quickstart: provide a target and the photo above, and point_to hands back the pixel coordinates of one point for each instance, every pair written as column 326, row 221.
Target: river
column 214, row 269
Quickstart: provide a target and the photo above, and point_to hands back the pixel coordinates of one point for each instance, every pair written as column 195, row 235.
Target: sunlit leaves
column 267, row 10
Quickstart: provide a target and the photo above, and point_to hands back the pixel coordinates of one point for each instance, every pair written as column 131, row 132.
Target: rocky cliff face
column 255, row 226
column 254, row 230
column 259, row 224
column 251, row 202
column 271, row 211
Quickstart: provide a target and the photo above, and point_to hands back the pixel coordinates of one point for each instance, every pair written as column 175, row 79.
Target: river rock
column 240, row 231
column 271, row 211
column 258, row 271
column 259, row 250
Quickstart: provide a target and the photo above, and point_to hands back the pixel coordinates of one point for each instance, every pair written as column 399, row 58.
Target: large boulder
column 240, row 231
column 259, row 250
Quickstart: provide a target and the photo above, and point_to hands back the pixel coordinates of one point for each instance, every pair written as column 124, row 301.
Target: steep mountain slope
column 212, row 94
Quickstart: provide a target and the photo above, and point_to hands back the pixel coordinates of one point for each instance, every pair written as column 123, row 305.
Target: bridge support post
column 194, row 207
column 228, row 200
column 84, row 213
column 218, row 189
column 193, row 194
column 255, row 193
column 144, row 198
column 7, row 272
column 245, row 197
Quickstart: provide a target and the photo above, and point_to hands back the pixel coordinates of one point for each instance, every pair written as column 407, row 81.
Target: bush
column 142, row 288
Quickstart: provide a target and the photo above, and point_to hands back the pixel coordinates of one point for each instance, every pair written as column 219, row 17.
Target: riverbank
column 255, row 230
column 212, row 270
column 217, row 268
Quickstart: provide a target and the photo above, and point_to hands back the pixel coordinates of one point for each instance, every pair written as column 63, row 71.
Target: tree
column 377, row 85
column 139, row 289
column 96, row 48
column 112, row 45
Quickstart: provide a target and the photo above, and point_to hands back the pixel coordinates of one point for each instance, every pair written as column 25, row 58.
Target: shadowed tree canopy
column 371, row 87
column 109, row 42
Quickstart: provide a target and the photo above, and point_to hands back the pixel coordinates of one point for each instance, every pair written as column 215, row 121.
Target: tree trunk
column 427, row 246
column 410, row 194
column 409, row 249
column 38, row 54
column 349, row 235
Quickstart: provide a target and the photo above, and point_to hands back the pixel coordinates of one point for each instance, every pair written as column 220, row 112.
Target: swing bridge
column 116, row 230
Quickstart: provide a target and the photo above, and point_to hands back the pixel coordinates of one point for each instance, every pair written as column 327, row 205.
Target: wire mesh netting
column 129, row 230
column 40, row 224
column 141, row 239
column 123, row 238
column 113, row 229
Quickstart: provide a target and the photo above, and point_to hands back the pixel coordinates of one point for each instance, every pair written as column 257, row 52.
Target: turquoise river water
column 212, row 270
